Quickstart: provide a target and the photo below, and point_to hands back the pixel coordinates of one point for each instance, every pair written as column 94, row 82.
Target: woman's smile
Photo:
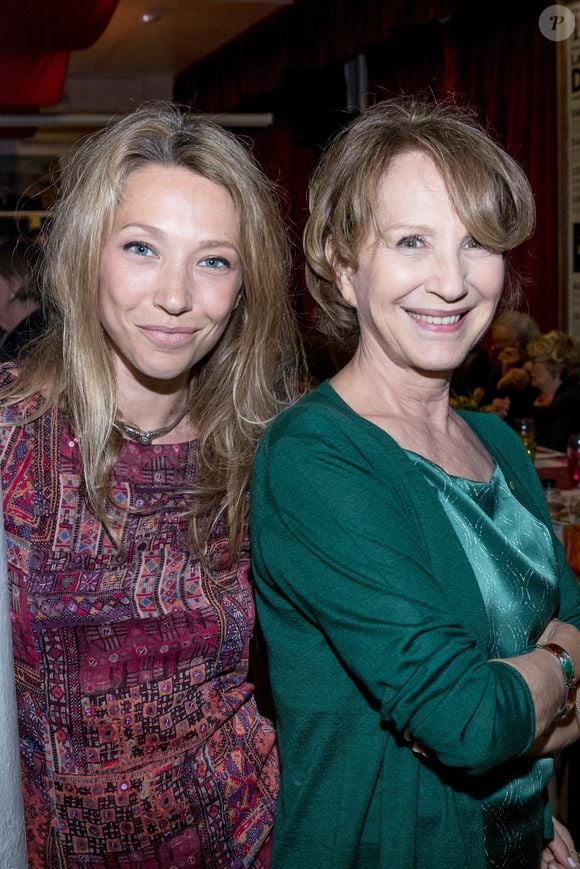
column 437, row 321
column 425, row 291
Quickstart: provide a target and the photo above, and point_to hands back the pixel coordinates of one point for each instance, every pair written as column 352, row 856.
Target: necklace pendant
column 146, row 438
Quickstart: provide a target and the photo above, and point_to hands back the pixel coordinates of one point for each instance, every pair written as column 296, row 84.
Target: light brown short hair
column 490, row 192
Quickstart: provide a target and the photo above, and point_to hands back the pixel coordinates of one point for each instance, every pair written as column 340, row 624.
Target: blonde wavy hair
column 240, row 385
column 488, row 189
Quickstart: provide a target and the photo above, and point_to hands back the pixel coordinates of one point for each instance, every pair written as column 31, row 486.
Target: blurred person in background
column 508, row 390
column 22, row 317
column 553, row 369
column 512, row 330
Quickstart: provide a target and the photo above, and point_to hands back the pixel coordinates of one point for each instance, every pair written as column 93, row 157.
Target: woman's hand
column 515, row 377
column 559, row 852
column 501, row 406
column 544, row 399
column 508, row 358
column 565, row 635
column 543, row 674
column 417, row 747
column 566, row 731
column 547, row 635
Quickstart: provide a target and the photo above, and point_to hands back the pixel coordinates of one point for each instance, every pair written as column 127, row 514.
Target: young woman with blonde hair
column 127, row 440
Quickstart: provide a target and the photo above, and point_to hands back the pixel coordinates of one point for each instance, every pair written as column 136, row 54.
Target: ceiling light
column 151, row 15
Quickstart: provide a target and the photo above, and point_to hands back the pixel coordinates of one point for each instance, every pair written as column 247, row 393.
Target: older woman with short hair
column 553, row 369
column 405, row 565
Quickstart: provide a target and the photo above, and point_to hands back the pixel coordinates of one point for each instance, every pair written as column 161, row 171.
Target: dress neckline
column 479, row 483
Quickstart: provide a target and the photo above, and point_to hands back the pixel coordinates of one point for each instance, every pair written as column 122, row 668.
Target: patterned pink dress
column 141, row 743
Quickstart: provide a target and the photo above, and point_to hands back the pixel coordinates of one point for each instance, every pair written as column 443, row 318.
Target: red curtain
column 32, row 80
column 507, row 70
column 65, row 25
column 36, row 39
column 491, row 56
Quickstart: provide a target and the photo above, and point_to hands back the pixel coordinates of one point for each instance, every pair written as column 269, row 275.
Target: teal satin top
column 513, row 559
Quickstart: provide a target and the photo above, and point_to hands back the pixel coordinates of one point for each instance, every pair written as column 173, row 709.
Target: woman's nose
column 174, row 292
column 449, row 279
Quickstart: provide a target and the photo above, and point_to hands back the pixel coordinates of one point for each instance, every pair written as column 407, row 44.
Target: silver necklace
column 147, row 437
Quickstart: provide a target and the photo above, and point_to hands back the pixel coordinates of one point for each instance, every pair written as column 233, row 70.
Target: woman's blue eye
column 138, row 247
column 473, row 244
column 215, row 262
column 412, row 242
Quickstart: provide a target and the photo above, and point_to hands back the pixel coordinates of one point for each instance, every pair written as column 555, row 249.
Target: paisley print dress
column 141, row 744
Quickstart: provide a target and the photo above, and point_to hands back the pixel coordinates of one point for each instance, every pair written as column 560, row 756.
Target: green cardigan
column 374, row 625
